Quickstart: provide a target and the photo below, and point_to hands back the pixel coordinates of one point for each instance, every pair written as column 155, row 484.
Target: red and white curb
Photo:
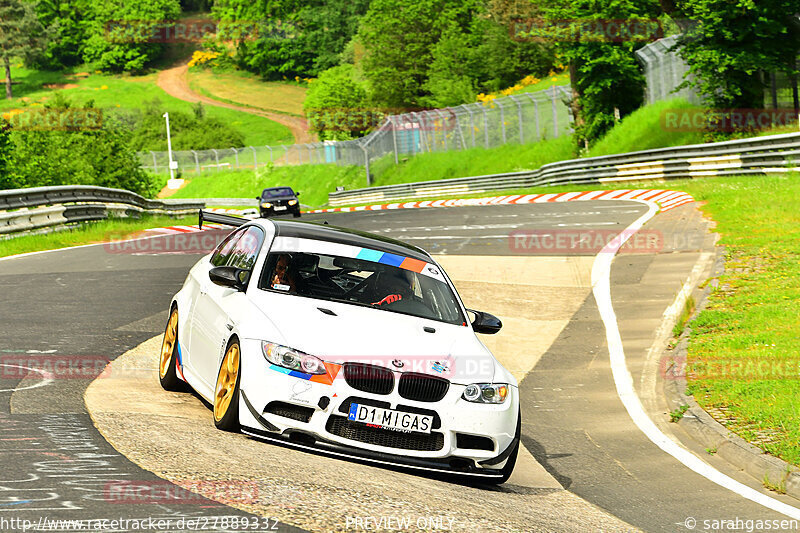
column 664, row 198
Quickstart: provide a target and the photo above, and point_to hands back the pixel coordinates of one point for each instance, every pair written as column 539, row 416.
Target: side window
column 245, row 250
column 223, row 251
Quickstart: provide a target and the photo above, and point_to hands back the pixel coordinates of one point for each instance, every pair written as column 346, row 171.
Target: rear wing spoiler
column 218, row 218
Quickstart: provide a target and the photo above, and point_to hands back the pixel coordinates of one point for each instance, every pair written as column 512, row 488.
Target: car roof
column 277, row 189
column 352, row 237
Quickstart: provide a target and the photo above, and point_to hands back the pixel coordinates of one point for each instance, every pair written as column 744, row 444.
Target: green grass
column 753, row 316
column 644, row 130
column 87, row 233
column 314, row 182
column 245, row 89
column 561, row 78
column 471, row 162
column 132, row 92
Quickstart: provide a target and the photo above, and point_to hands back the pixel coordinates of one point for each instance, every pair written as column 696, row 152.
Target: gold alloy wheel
column 168, row 346
column 226, row 381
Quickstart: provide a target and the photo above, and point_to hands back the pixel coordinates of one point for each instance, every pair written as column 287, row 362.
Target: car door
column 219, row 308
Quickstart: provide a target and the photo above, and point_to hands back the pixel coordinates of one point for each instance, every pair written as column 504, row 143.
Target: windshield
column 365, row 283
column 279, row 191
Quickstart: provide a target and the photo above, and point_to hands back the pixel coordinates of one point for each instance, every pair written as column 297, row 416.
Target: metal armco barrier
column 758, row 155
column 46, row 207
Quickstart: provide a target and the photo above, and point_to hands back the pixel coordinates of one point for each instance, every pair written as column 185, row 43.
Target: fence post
column 236, row 153
column 536, row 112
column 502, row 119
column 471, row 123
column 308, row 146
column 286, row 149
column 196, row 162
column 270, row 152
column 555, row 114
column 155, row 163
column 485, row 127
column 366, row 164
column 444, row 129
column 255, row 158
column 519, row 118
column 394, row 138
column 216, row 156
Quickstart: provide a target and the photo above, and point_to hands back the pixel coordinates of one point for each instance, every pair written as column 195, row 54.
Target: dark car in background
column 278, row 201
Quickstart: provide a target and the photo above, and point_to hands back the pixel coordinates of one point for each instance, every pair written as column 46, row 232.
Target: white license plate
column 390, row 419
column 280, row 208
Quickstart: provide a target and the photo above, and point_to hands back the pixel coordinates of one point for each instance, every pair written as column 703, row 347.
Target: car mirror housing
column 228, row 276
column 485, row 323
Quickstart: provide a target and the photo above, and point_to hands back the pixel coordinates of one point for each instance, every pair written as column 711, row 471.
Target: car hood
column 361, row 334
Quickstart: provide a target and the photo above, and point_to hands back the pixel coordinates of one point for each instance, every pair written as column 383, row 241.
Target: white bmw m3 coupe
column 345, row 343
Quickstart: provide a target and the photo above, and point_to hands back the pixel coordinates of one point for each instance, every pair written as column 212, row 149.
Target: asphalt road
column 90, row 305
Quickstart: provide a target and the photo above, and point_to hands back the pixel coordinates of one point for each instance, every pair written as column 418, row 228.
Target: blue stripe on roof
column 391, row 259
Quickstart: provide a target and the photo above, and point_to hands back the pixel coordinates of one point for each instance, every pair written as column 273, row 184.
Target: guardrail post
column 519, row 118
column 155, row 163
column 216, row 156
column 555, row 113
column 255, row 158
column 196, row 162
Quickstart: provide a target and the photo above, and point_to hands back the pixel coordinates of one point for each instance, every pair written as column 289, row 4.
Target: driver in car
column 282, row 279
column 398, row 284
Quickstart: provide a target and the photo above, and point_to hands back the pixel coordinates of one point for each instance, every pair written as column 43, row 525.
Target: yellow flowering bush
column 201, row 57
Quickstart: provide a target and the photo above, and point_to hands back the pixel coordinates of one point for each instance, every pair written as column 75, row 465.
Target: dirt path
column 174, row 81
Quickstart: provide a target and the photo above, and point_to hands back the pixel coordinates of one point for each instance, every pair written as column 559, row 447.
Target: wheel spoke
column 226, row 382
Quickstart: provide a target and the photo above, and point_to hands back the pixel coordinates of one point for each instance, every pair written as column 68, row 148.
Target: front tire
column 296, row 214
column 167, row 367
column 226, row 392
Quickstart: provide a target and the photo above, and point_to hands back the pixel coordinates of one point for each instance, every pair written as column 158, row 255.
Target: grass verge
column 88, row 233
column 245, row 89
column 314, row 182
column 34, row 88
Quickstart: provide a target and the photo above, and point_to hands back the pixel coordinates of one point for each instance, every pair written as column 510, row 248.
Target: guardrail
column 758, row 155
column 23, row 210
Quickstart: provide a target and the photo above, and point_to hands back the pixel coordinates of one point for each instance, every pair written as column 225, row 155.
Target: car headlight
column 266, row 205
column 292, row 202
column 486, row 392
column 292, row 359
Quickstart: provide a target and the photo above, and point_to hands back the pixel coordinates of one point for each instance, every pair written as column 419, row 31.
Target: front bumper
column 467, row 438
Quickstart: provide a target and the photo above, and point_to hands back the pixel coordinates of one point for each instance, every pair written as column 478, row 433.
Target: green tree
column 399, row 38
column 7, row 181
column 336, row 105
column 292, row 38
column 22, row 36
column 68, row 20
column 604, row 73
column 125, row 36
column 732, row 41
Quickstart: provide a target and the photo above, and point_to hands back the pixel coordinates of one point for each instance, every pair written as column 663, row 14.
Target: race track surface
column 92, row 306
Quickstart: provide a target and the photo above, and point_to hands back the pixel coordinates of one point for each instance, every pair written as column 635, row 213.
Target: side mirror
column 258, row 198
column 297, row 194
column 227, row 276
column 485, row 323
